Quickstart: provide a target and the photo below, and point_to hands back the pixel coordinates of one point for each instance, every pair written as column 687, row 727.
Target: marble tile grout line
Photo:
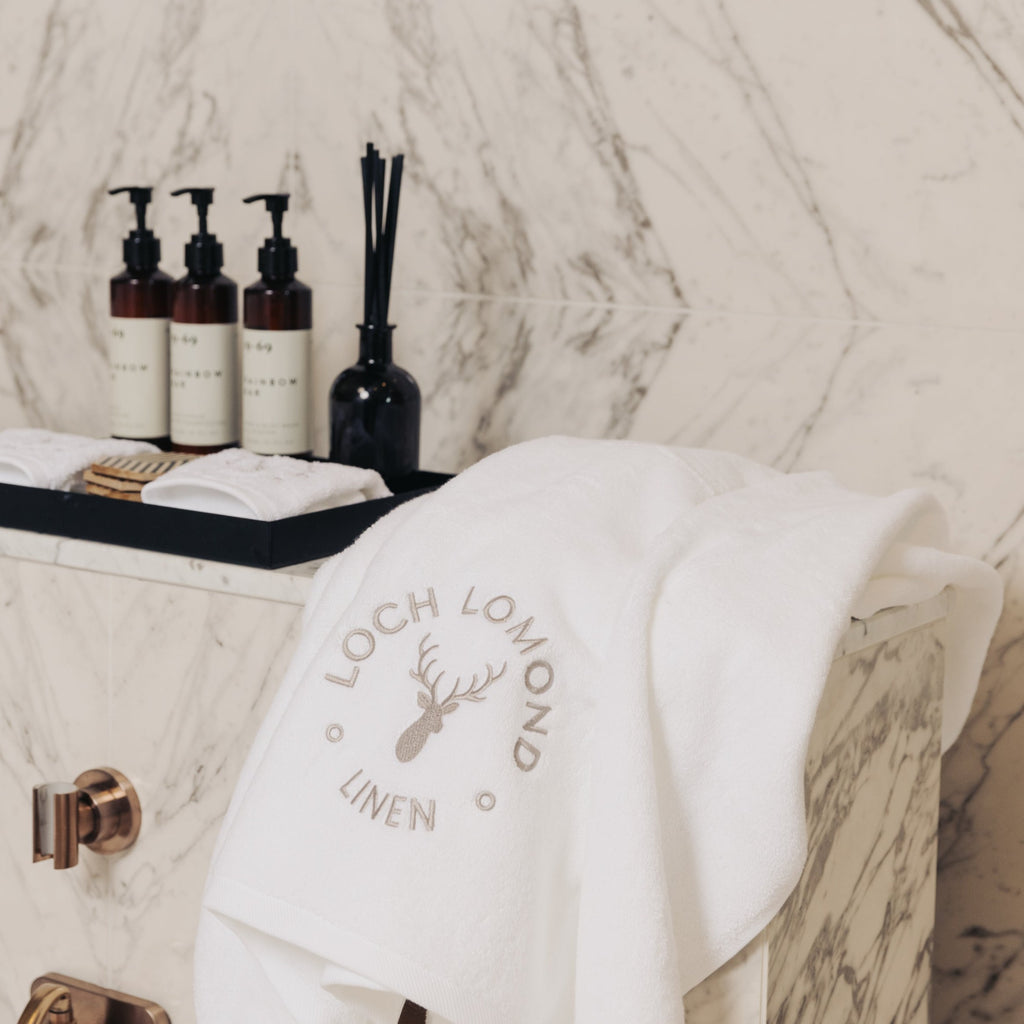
column 526, row 300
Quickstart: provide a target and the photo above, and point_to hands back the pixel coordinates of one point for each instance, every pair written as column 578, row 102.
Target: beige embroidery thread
column 412, row 741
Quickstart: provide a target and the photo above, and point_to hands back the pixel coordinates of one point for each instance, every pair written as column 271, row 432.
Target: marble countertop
column 291, row 584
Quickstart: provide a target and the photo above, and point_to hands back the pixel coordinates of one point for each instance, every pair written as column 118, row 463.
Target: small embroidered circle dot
column 485, row 801
column 335, row 732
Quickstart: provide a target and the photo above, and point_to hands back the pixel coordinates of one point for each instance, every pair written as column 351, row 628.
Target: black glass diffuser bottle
column 375, row 405
column 375, row 410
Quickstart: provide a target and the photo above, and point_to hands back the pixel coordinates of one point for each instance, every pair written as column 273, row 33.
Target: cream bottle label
column 204, row 407
column 275, row 391
column 139, row 377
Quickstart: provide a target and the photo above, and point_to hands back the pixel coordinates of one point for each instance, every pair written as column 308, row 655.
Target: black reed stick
column 380, row 234
column 367, row 167
column 391, row 227
column 378, row 185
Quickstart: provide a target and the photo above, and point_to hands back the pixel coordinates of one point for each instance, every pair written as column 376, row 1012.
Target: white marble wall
column 163, row 682
column 788, row 231
column 53, row 725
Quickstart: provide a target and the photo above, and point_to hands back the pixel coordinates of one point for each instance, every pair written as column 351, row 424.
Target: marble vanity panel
column 192, row 675
column 979, row 938
column 53, row 725
column 854, row 940
column 736, row 993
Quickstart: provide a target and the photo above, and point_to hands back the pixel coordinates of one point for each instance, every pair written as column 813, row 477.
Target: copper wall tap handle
column 101, row 810
column 65, row 830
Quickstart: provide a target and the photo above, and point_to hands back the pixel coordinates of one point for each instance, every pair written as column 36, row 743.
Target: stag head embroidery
column 412, row 741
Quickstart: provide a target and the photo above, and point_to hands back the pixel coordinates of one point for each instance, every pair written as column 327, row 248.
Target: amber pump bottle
column 204, row 329
column 276, row 340
column 140, row 314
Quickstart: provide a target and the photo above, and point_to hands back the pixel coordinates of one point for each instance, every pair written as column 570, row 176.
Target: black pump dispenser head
column 204, row 255
column 278, row 258
column 141, row 247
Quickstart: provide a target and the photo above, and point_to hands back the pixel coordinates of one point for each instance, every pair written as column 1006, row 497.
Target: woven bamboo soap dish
column 124, row 476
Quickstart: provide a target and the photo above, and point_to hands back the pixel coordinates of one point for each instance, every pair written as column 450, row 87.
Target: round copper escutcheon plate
column 116, row 811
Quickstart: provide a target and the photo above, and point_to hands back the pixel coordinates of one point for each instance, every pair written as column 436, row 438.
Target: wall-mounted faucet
column 100, row 809
column 57, row 999
column 50, row 1003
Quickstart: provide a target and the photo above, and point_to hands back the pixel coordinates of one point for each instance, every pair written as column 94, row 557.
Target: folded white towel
column 31, row 457
column 236, row 482
column 539, row 757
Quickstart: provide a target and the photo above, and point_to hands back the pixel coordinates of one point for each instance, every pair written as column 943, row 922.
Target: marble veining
column 192, row 676
column 854, row 940
column 706, row 154
column 53, row 725
column 981, row 847
column 737, row 993
column 598, row 198
column 164, row 682
column 794, row 394
column 892, row 622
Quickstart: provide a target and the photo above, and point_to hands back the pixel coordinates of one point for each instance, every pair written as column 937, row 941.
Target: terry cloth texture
column 236, row 482
column 32, row 457
column 539, row 756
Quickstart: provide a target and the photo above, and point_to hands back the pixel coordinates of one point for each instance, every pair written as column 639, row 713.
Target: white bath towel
column 539, row 757
column 31, row 457
column 236, row 482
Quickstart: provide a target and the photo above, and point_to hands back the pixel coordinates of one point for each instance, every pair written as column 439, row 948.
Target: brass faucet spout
column 54, row 994
column 50, row 1004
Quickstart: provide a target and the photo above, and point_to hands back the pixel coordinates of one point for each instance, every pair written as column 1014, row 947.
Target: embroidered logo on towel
column 411, row 742
column 462, row 654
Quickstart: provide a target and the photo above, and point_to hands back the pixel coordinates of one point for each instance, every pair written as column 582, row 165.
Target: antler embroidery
column 474, row 693
column 412, row 741
column 420, row 673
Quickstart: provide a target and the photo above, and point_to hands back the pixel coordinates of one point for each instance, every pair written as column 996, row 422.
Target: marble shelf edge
column 291, row 585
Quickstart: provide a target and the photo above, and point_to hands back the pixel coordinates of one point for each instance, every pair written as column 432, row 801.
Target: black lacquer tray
column 202, row 534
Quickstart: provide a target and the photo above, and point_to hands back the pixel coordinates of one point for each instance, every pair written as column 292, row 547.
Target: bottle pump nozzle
column 204, row 255
column 141, row 247
column 278, row 258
